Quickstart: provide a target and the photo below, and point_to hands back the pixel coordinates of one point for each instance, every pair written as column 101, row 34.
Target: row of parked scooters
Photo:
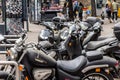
column 65, row 51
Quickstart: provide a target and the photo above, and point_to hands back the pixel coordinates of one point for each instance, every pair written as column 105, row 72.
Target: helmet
column 117, row 31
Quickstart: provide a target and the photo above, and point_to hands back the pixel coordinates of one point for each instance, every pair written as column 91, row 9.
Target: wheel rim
column 95, row 76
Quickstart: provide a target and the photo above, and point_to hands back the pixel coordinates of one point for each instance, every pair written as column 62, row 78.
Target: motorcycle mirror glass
column 1, row 37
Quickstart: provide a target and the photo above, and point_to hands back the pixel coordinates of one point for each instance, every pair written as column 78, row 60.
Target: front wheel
column 98, row 76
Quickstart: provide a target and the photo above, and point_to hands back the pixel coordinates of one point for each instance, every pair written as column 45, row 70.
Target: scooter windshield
column 44, row 34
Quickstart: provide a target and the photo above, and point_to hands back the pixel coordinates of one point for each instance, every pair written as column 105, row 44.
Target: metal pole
column 27, row 23
column 17, row 75
column 5, row 16
column 3, row 10
column 25, row 14
column 93, row 4
column 7, row 45
column 34, row 10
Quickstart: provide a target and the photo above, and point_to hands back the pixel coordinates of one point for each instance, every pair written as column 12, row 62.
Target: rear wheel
column 97, row 76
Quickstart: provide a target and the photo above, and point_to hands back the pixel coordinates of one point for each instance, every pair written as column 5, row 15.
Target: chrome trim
column 93, row 67
column 12, row 63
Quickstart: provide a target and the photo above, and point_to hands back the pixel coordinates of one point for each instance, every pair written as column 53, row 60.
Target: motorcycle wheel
column 97, row 76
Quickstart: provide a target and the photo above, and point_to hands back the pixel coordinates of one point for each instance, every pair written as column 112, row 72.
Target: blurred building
column 85, row 2
column 62, row 2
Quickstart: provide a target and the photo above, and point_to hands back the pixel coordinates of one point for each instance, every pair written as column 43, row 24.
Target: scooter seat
column 72, row 65
column 93, row 45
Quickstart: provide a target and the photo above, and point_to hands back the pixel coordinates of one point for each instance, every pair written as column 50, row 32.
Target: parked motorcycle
column 110, row 47
column 92, row 32
column 34, row 64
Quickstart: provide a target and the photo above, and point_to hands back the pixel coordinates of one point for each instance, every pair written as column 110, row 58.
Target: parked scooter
column 111, row 47
column 36, row 65
column 91, row 28
column 80, row 27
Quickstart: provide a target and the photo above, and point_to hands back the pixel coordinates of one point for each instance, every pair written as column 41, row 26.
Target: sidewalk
column 107, row 27
column 34, row 30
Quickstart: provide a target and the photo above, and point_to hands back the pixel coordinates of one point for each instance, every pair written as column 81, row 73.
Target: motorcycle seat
column 93, row 45
column 94, row 55
column 72, row 65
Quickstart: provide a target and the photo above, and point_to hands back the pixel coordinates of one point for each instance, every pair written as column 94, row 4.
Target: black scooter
column 92, row 32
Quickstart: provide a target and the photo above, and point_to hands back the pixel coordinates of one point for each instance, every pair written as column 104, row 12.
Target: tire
column 101, row 74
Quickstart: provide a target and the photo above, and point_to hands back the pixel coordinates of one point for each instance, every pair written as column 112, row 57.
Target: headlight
column 13, row 53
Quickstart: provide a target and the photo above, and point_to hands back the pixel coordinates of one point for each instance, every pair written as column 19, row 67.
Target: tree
column 93, row 8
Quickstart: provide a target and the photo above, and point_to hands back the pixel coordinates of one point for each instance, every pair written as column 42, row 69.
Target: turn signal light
column 21, row 67
column 97, row 70
column 26, row 78
column 70, row 44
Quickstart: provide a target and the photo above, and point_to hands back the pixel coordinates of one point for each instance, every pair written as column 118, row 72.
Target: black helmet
column 117, row 31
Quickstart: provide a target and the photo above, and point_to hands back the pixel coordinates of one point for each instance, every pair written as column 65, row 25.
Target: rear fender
column 92, row 67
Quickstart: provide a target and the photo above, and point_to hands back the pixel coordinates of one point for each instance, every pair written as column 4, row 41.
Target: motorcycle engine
column 42, row 74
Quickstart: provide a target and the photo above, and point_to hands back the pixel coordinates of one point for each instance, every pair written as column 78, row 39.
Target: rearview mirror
column 1, row 37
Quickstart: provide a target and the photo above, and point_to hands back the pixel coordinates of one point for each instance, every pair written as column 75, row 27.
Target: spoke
column 95, row 77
